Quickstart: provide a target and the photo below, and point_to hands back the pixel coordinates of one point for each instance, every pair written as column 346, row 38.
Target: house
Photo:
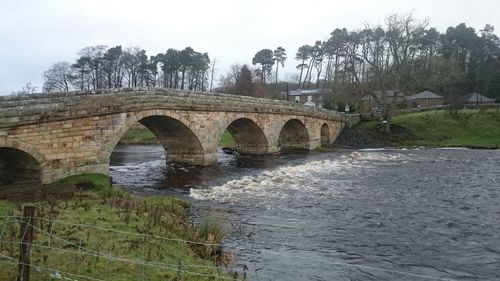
column 476, row 98
column 368, row 103
column 312, row 97
column 424, row 99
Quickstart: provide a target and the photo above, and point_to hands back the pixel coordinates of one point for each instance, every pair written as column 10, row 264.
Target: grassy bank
column 104, row 233
column 227, row 139
column 145, row 136
column 139, row 136
column 467, row 128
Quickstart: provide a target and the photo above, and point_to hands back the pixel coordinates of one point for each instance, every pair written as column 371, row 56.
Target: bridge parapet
column 62, row 134
column 35, row 108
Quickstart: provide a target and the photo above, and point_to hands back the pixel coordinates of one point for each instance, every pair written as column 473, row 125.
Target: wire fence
column 70, row 251
column 63, row 250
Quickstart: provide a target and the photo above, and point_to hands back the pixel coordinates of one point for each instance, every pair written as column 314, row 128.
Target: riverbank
column 98, row 231
column 139, row 136
column 466, row 128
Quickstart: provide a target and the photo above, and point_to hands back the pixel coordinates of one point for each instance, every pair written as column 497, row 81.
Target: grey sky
column 35, row 34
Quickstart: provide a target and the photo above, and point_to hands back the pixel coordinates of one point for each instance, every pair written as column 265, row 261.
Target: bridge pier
column 273, row 149
column 71, row 134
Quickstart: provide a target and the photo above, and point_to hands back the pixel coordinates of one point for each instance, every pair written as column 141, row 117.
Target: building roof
column 424, row 95
column 308, row 92
column 476, row 97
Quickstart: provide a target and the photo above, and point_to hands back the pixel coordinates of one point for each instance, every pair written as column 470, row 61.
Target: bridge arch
column 21, row 163
column 325, row 135
column 294, row 135
column 248, row 136
column 180, row 142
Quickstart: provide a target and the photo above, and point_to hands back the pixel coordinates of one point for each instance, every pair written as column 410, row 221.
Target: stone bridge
column 46, row 137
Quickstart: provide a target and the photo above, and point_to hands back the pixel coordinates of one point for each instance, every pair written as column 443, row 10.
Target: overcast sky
column 35, row 34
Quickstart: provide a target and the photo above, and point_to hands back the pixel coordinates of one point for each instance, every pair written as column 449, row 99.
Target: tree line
column 267, row 58
column 403, row 54
column 406, row 55
column 247, row 81
column 100, row 67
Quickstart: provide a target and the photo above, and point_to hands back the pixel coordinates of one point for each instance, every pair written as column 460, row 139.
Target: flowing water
column 342, row 215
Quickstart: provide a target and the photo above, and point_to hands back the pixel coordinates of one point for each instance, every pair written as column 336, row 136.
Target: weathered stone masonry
column 74, row 133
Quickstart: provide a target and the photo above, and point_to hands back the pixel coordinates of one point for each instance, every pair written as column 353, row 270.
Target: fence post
column 26, row 237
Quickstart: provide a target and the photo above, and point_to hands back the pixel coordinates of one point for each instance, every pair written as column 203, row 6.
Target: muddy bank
column 363, row 137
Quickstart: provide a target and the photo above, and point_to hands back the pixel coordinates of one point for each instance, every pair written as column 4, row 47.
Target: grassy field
column 109, row 234
column 137, row 136
column 227, row 139
column 468, row 128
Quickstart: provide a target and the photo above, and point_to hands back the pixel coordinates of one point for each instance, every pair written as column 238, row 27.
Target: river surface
column 343, row 215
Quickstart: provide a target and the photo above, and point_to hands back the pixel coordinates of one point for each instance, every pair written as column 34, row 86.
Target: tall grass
column 132, row 216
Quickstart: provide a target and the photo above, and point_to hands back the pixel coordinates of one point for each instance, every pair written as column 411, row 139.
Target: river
column 426, row 214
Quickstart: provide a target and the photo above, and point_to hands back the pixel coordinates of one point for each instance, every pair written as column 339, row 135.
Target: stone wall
column 75, row 133
column 34, row 108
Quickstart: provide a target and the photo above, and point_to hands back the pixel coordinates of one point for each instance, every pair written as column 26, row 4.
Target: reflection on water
column 428, row 212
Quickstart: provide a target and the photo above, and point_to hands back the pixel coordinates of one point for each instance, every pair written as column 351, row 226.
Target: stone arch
column 294, row 135
column 21, row 163
column 181, row 144
column 248, row 136
column 325, row 135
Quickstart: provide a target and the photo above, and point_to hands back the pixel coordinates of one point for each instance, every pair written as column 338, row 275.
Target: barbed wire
column 171, row 267
column 126, row 232
column 98, row 254
column 110, row 257
column 178, row 240
column 87, row 252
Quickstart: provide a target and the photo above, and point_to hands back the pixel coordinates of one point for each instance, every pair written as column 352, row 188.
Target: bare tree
column 58, row 78
column 212, row 74
column 228, row 81
column 94, row 57
column 28, row 88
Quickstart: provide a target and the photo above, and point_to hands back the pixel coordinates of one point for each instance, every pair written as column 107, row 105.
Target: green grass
column 440, row 128
column 162, row 216
column 95, row 182
column 368, row 124
column 6, row 207
column 469, row 128
column 227, row 139
column 137, row 136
